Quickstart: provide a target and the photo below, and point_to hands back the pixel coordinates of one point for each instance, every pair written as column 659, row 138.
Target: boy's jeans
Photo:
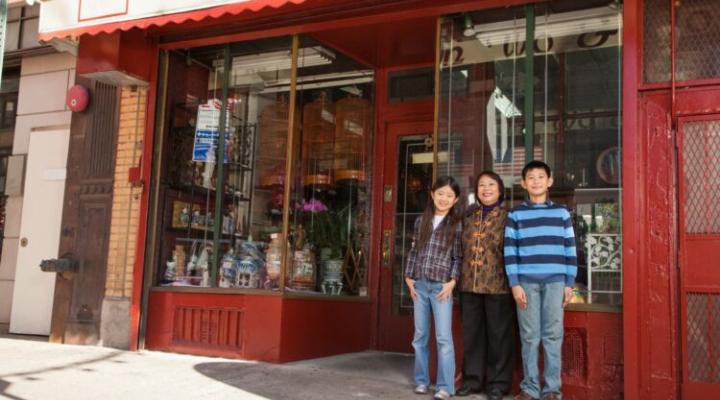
column 442, row 314
column 541, row 320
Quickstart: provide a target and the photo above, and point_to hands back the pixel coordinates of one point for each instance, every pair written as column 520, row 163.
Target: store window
column 330, row 201
column 575, row 108
column 288, row 207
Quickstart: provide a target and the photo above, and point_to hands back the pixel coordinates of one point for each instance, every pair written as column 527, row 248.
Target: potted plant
column 327, row 231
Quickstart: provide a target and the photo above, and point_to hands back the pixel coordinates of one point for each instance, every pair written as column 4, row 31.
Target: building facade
column 331, row 119
column 35, row 134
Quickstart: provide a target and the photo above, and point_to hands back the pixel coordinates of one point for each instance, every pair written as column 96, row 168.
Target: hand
column 568, row 296
column 446, row 290
column 411, row 286
column 519, row 295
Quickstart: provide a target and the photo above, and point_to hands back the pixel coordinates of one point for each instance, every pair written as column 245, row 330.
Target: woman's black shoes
column 466, row 390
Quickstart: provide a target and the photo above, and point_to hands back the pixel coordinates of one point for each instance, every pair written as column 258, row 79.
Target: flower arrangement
column 324, row 227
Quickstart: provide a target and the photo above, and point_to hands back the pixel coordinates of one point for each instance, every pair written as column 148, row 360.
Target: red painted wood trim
column 377, row 205
column 146, row 171
column 633, row 196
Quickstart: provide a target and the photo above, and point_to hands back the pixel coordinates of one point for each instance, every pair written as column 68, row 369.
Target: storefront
column 288, row 150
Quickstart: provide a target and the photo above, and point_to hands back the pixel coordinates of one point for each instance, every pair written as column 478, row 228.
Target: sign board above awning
column 62, row 18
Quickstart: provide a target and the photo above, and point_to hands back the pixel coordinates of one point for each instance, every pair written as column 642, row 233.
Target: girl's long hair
column 449, row 225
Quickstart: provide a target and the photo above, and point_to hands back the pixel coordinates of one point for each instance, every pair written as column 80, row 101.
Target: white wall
column 44, row 81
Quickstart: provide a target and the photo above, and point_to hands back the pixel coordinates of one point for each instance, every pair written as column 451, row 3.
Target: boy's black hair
column 536, row 164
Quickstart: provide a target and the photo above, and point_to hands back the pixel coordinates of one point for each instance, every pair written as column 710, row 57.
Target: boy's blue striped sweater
column 540, row 244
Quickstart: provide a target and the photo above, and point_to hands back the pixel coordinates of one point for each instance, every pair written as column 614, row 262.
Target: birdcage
column 272, row 143
column 317, row 143
column 351, row 132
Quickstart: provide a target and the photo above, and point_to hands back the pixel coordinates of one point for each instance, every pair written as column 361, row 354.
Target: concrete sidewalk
column 32, row 369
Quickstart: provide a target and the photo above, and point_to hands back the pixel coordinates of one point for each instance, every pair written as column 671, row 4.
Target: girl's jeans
column 442, row 314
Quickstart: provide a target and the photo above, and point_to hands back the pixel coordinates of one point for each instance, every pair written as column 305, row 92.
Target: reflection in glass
column 414, row 177
column 251, row 186
column 576, row 117
column 330, row 199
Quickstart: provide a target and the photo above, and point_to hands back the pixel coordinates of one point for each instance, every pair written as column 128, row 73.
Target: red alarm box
column 77, row 98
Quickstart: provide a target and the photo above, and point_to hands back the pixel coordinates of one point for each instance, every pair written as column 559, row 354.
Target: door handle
column 386, row 251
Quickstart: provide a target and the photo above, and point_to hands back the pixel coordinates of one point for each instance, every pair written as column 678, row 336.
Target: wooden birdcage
column 272, row 143
column 317, row 143
column 351, row 132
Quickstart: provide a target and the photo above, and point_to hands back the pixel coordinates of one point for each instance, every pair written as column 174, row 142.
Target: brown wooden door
column 84, row 233
column 699, row 226
column 407, row 177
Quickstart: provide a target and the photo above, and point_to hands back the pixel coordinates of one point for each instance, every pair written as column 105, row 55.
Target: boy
column 541, row 265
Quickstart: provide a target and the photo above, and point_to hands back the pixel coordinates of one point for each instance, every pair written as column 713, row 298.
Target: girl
column 487, row 303
column 432, row 270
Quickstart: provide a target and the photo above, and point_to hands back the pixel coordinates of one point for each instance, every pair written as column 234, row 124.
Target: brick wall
column 126, row 199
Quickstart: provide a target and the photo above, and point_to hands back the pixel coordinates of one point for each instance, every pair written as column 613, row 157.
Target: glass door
column 408, row 175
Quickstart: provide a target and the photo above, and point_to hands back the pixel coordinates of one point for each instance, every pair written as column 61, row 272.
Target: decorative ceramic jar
column 332, row 277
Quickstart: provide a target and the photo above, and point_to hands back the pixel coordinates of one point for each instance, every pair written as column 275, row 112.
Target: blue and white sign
column 206, row 132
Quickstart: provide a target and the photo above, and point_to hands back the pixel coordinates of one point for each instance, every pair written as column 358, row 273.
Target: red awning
column 161, row 20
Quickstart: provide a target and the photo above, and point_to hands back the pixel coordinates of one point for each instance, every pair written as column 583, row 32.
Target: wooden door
column 699, row 228
column 407, row 178
column 84, row 233
column 40, row 231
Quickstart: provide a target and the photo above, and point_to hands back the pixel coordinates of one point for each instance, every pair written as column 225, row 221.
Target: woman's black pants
column 489, row 326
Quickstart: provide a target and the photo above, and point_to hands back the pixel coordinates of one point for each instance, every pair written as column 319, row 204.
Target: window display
column 252, row 183
column 330, row 217
column 238, row 210
column 575, row 111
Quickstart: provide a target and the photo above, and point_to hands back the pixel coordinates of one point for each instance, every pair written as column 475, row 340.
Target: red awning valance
column 125, row 21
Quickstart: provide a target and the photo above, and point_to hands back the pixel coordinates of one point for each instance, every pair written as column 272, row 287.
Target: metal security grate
column 656, row 41
column 703, row 337
column 697, row 39
column 701, row 164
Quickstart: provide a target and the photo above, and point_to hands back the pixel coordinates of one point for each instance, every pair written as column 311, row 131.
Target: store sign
column 473, row 51
column 206, row 132
column 58, row 15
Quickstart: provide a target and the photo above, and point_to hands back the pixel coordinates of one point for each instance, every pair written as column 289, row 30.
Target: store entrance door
column 407, row 176
column 699, row 226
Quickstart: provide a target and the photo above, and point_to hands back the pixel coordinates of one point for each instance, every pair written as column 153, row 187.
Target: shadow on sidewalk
column 32, row 374
column 370, row 375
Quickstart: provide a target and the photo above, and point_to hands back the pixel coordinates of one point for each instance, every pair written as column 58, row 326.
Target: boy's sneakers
column 551, row 396
column 523, row 396
column 421, row 389
column 441, row 395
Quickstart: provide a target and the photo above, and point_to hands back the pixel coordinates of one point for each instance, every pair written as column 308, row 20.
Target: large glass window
column 236, row 212
column 571, row 121
column 330, row 213
column 225, row 221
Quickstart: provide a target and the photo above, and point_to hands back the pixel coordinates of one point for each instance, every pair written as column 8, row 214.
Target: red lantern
column 77, row 98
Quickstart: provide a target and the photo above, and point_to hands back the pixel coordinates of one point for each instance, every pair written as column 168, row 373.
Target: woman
column 488, row 309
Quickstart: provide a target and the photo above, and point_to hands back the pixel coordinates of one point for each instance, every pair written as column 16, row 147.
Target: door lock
column 386, row 248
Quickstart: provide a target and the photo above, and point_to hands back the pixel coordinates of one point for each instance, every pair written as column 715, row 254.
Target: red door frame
column 394, row 331
column 633, row 196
